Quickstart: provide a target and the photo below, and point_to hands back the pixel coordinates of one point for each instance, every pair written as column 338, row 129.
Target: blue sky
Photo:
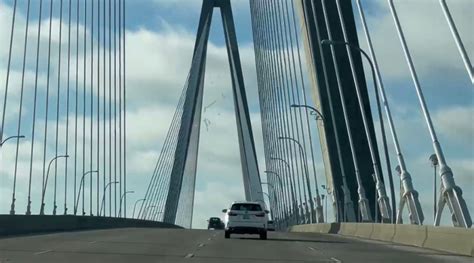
column 160, row 37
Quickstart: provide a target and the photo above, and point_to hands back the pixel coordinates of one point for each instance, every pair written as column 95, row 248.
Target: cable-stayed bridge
column 321, row 93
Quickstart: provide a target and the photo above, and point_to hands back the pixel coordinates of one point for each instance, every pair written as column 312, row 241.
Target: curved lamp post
column 269, row 184
column 285, row 204
column 310, row 198
column 121, row 199
column 43, row 192
column 135, row 206
column 383, row 201
column 79, row 193
column 12, row 209
column 292, row 185
column 317, row 112
column 103, row 196
column 11, row 137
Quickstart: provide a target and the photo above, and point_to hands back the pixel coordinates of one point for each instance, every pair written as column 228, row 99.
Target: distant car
column 270, row 225
column 215, row 223
column 246, row 218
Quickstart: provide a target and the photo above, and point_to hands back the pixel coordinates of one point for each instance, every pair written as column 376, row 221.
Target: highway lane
column 177, row 245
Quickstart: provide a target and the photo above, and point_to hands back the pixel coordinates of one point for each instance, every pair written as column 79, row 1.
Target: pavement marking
column 336, row 260
column 201, row 245
column 42, row 252
column 92, row 242
column 312, row 248
column 189, row 255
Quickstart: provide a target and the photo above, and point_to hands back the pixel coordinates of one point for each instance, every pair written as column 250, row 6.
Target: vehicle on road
column 215, row 223
column 270, row 225
column 246, row 218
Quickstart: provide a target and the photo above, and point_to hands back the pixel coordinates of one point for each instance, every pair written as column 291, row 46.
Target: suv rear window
column 246, row 207
column 215, row 219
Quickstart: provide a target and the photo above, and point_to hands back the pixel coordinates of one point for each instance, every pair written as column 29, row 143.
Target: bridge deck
column 172, row 245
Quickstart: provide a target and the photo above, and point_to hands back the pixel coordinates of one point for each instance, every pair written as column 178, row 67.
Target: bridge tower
column 320, row 20
column 185, row 156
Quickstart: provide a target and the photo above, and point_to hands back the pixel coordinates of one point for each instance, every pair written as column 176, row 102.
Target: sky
column 160, row 37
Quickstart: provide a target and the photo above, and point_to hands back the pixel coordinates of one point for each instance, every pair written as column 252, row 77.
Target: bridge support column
column 185, row 161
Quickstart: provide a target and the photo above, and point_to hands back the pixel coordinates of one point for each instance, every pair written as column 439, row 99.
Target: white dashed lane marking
column 42, row 252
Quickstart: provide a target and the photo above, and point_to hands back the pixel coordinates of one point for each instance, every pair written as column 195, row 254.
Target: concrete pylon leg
column 185, row 161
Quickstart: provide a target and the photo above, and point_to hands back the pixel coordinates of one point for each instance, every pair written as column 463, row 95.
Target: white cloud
column 456, row 123
column 427, row 34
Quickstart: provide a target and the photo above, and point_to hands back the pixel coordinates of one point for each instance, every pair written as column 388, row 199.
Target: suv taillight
column 231, row 214
column 260, row 215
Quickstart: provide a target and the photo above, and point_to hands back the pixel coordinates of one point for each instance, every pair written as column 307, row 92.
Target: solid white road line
column 336, row 260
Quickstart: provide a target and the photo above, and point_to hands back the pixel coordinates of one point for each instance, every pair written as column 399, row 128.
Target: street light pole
column 43, row 192
column 269, row 199
column 401, row 161
column 121, row 198
column 319, row 208
column 135, row 206
column 103, row 196
column 12, row 207
column 290, row 181
column 11, row 137
column 81, row 183
column 284, row 194
column 434, row 163
column 383, row 201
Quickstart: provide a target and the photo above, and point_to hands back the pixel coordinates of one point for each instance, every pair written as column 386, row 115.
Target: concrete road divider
column 330, row 228
column 413, row 235
column 364, row 230
column 383, row 232
column 455, row 240
column 449, row 239
column 348, row 229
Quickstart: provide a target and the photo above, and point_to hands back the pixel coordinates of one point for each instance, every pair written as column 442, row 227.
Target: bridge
column 353, row 127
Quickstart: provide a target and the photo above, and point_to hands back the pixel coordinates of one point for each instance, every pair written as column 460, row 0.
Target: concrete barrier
column 449, row 239
column 383, row 232
column 348, row 229
column 364, row 230
column 326, row 228
column 22, row 224
column 413, row 235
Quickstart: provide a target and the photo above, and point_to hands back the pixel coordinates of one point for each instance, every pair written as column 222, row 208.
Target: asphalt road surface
column 171, row 245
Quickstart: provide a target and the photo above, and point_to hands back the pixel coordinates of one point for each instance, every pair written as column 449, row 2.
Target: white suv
column 246, row 218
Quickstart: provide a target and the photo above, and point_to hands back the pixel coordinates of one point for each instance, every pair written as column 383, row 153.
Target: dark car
column 215, row 223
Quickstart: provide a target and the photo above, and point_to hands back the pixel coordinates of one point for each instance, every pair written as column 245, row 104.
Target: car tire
column 227, row 234
column 263, row 235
